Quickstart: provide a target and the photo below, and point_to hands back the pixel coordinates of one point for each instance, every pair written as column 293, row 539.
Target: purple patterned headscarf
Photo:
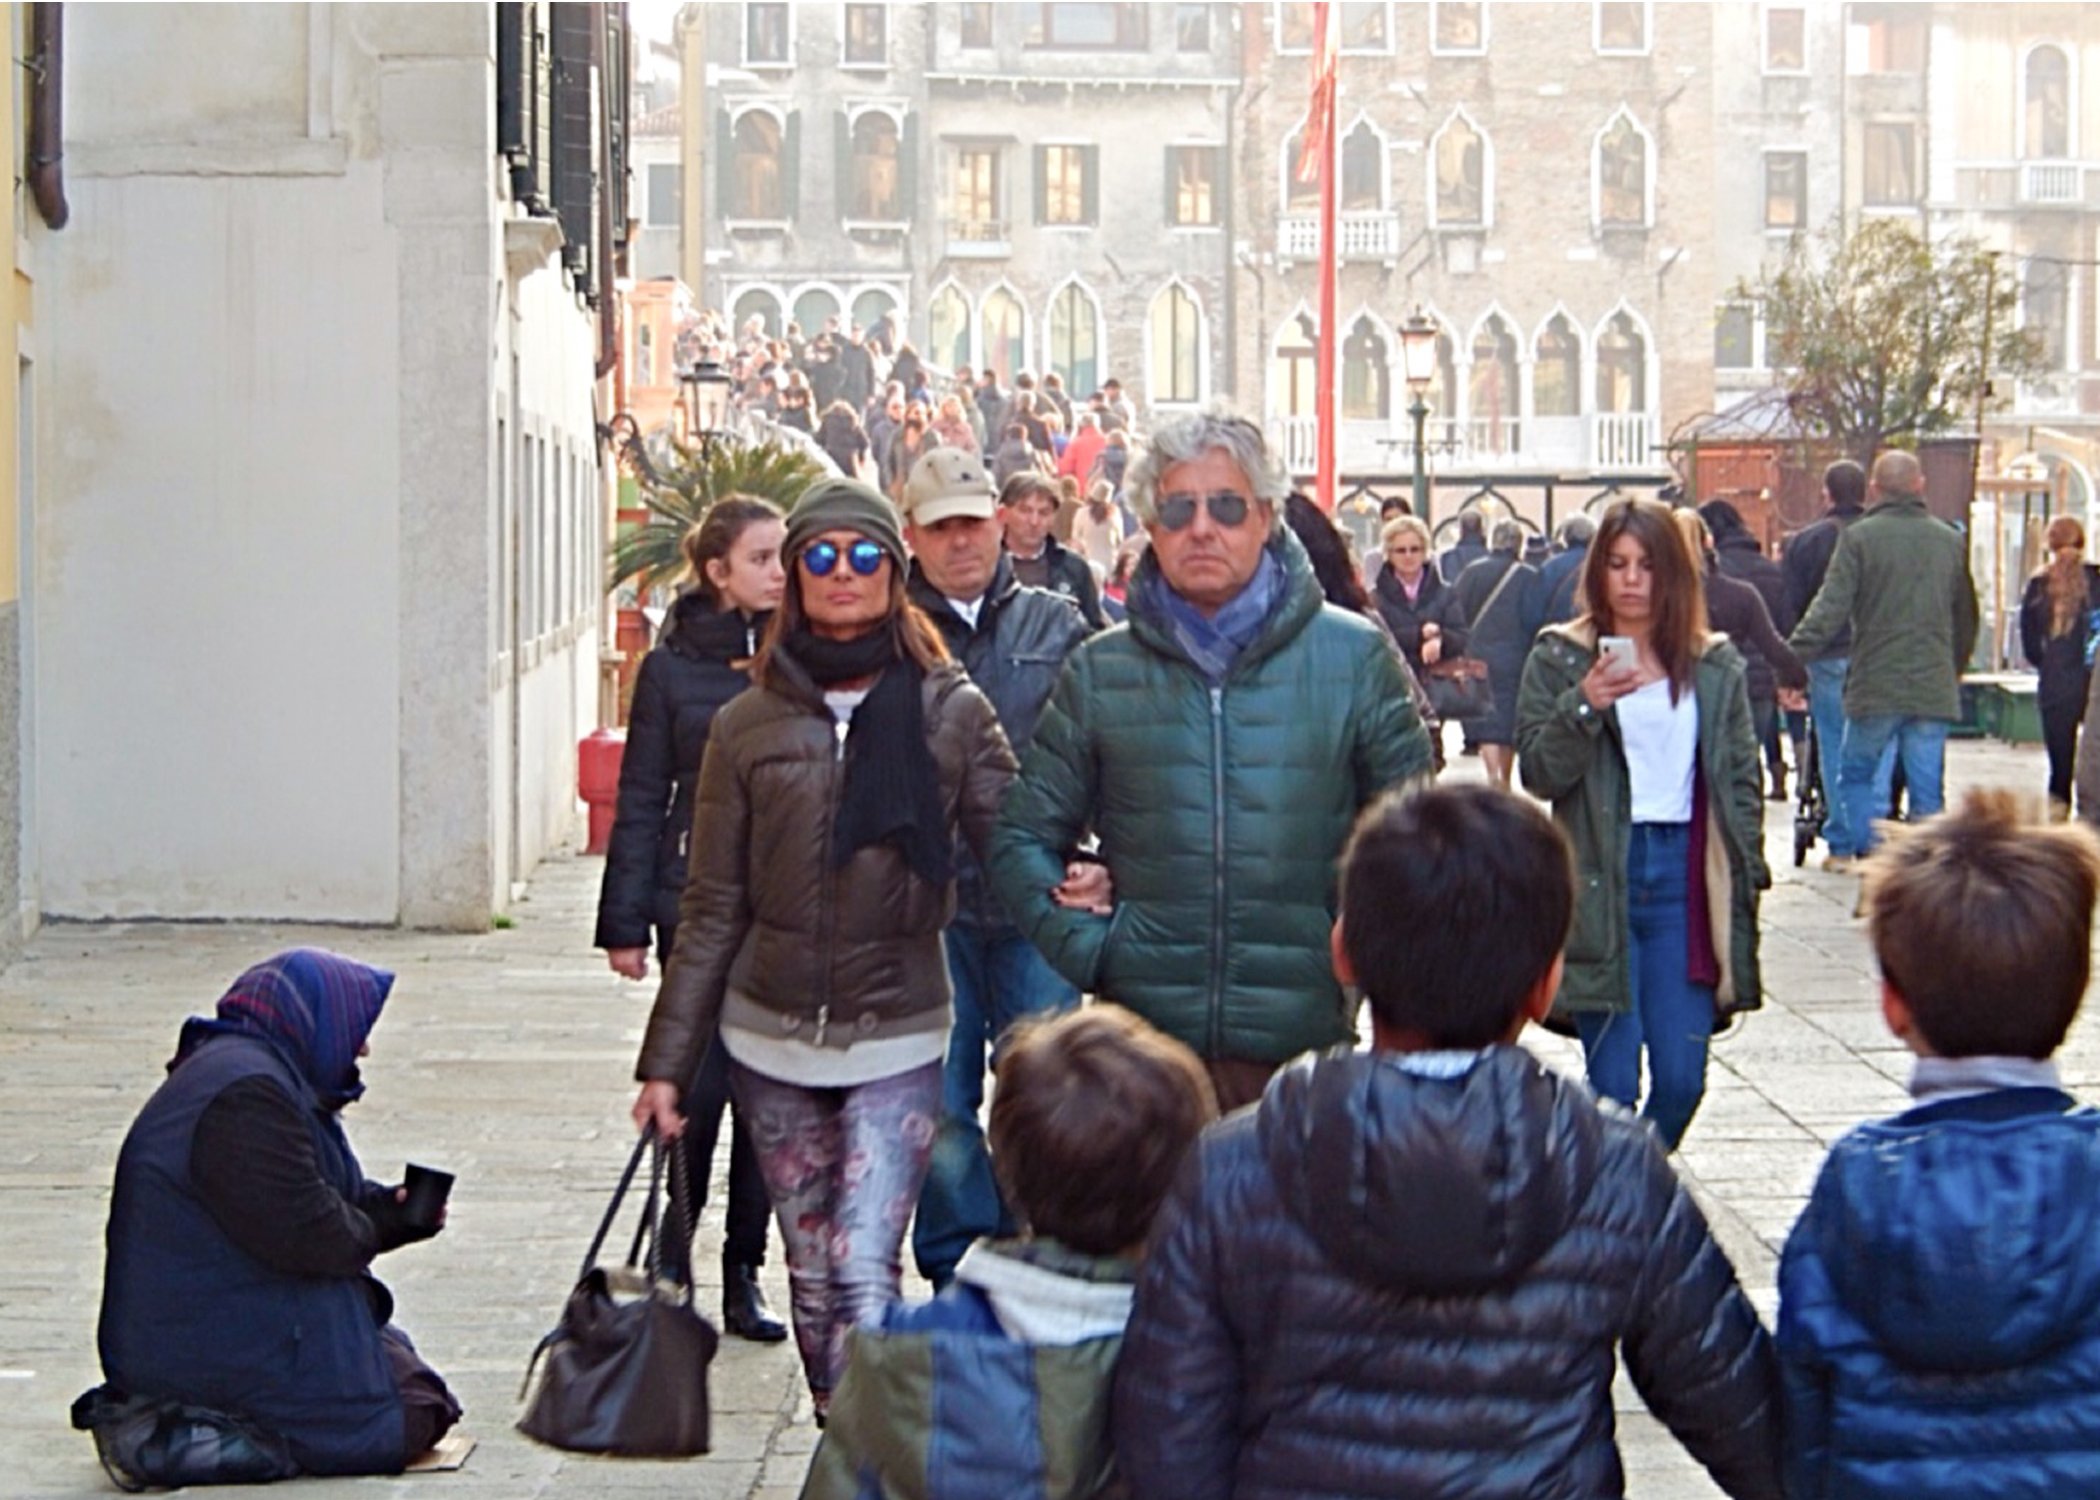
column 316, row 1007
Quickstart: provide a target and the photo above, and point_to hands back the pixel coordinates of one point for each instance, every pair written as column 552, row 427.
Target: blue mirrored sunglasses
column 864, row 557
column 1177, row 512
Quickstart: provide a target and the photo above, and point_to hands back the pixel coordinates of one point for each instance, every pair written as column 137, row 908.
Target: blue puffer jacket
column 1939, row 1314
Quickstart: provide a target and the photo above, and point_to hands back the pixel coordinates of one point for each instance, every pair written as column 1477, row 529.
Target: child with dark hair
column 1410, row 1271
column 1939, row 1300
column 1000, row 1385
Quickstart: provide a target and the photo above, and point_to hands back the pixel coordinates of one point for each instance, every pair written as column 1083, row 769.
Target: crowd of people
column 895, row 802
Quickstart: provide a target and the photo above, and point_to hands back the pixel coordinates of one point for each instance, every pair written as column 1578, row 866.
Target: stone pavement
column 506, row 1057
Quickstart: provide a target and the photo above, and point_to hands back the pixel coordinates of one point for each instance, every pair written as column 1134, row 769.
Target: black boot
column 744, row 1310
column 1778, row 792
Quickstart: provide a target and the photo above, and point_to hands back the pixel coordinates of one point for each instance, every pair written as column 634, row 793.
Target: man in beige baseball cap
column 1013, row 639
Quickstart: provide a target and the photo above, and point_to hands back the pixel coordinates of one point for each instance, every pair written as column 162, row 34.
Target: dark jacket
column 1738, row 611
column 2058, row 660
column 1014, row 655
column 768, row 925
column 1378, row 1283
column 1459, row 556
column 1900, row 579
column 1063, row 571
column 1499, row 622
column 189, row 1315
column 1559, row 584
column 1805, row 562
column 1939, row 1306
column 700, row 663
column 1572, row 756
column 1221, row 812
column 1404, row 617
column 1738, row 556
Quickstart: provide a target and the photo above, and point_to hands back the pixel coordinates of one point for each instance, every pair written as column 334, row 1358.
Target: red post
column 1326, row 55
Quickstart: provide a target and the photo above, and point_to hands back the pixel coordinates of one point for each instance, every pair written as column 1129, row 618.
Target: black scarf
column 893, row 786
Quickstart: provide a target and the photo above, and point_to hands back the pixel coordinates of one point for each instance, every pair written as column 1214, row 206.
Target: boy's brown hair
column 1984, row 925
column 1093, row 1114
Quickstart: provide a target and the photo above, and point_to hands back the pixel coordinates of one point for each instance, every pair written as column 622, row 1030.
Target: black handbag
column 626, row 1369
column 1459, row 688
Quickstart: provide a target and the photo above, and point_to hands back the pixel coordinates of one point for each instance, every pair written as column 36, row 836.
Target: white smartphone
column 1620, row 650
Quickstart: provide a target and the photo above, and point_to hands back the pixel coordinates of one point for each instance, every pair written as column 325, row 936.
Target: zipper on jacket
column 827, row 887
column 1217, row 867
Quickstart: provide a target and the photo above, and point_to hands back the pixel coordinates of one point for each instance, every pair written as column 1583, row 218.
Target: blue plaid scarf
column 1213, row 643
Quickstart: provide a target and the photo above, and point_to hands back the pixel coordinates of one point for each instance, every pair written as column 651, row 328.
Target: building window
column 974, row 208
column 1192, row 28
column 1457, row 29
column 1460, row 154
column 1367, row 372
column 1786, row 190
column 1786, row 39
column 813, row 306
column 756, row 303
column 1292, row 362
column 1622, row 174
column 1889, row 175
column 1075, row 339
column 1885, row 39
column 1622, row 26
column 948, row 328
column 1492, row 387
column 665, row 195
column 1556, row 371
column 876, row 190
column 1363, row 169
column 1004, row 327
column 871, row 307
column 756, row 172
column 1177, row 347
column 1299, row 196
column 2045, row 311
column 1090, row 28
column 1192, row 185
column 2048, row 98
column 766, row 34
column 867, row 36
column 1367, row 28
column 1066, row 185
column 1735, row 332
column 976, row 25
column 1622, row 366
column 644, row 353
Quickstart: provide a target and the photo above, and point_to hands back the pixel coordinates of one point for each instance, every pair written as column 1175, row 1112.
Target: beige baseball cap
column 948, row 482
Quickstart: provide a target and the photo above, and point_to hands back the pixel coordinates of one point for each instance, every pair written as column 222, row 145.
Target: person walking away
column 1650, row 763
column 839, row 435
column 1805, row 562
column 1492, row 598
column 1737, row 554
column 1737, row 610
column 2056, row 634
column 1028, row 506
column 1900, row 579
column 242, row 1231
column 1013, row 641
column 1083, row 448
column 1414, row 1270
column 1560, row 576
column 820, row 878
column 733, row 585
column 1219, row 746
column 1095, row 1114
column 1470, row 547
column 1939, row 1298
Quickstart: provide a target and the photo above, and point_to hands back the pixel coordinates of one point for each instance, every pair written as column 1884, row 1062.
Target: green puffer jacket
column 1221, row 812
column 1900, row 577
column 1573, row 757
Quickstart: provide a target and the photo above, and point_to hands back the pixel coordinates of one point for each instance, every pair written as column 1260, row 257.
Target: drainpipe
column 608, row 319
column 47, row 183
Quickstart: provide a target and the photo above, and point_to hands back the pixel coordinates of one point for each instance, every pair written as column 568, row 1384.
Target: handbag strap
column 612, row 1209
column 1496, row 592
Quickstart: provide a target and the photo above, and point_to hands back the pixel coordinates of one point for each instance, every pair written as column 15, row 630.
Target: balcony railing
column 1364, row 236
column 1609, row 440
column 2047, row 183
column 979, row 237
column 1621, row 440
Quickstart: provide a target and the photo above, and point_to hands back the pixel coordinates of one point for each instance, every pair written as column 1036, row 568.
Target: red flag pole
column 1325, row 488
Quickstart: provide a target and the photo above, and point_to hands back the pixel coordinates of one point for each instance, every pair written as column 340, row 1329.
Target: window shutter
column 1090, row 188
column 908, row 167
column 1172, row 198
column 574, row 138
column 791, row 169
column 725, row 164
column 1042, row 184
column 847, row 189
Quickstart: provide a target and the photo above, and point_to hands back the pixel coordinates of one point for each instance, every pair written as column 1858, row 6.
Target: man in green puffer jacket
column 1220, row 745
column 1900, row 579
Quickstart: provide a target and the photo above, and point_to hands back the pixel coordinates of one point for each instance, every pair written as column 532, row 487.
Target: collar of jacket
column 997, row 593
column 1044, row 1294
column 698, row 630
column 1296, row 605
column 1899, row 505
column 787, row 680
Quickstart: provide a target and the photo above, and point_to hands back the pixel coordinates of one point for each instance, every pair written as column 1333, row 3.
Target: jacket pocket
column 1590, row 938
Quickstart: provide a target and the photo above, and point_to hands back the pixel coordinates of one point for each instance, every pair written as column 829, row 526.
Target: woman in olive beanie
column 820, row 878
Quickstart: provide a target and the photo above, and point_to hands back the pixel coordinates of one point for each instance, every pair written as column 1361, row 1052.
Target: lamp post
column 706, row 398
column 1418, row 363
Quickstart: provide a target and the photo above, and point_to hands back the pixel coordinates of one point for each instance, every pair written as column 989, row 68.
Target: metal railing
column 1603, row 440
column 2047, row 182
column 1364, row 236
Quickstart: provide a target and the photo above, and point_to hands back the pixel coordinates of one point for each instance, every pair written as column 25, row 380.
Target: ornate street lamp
column 1418, row 363
column 706, row 398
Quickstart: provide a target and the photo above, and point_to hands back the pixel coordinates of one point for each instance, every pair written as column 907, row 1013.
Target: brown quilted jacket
column 832, row 956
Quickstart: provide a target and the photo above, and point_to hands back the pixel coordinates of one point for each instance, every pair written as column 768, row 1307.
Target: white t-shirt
column 1662, row 751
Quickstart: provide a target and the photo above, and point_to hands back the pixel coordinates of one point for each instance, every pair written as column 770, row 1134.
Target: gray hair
column 1215, row 429
column 1578, row 531
column 1508, row 536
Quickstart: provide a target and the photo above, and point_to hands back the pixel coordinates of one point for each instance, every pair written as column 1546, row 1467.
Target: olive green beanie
column 845, row 505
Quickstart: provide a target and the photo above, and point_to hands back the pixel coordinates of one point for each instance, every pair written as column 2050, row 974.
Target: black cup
column 428, row 1188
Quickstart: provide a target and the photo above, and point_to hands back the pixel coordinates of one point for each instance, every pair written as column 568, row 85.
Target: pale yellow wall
column 10, row 328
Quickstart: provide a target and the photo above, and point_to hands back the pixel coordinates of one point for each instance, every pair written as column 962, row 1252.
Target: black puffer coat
column 697, row 666
column 1379, row 1283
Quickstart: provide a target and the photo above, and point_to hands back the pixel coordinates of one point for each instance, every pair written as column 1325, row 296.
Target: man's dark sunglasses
column 864, row 557
column 1177, row 512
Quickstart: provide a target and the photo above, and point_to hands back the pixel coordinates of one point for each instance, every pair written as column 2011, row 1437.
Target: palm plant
column 678, row 496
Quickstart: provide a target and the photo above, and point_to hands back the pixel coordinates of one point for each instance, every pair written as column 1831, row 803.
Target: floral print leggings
column 843, row 1167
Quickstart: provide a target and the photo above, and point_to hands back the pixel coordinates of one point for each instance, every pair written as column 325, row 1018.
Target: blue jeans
column 1826, row 701
column 1670, row 1014
column 1922, row 743
column 998, row 980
